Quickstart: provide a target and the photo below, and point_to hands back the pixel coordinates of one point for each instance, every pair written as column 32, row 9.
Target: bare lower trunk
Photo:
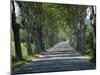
column 29, row 43
column 41, row 41
column 17, row 44
column 38, row 41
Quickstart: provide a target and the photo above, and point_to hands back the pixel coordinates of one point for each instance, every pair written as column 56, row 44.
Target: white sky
column 16, row 8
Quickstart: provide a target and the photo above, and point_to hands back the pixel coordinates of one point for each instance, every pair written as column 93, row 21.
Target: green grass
column 15, row 63
column 24, row 50
column 13, row 49
column 89, row 52
column 18, row 64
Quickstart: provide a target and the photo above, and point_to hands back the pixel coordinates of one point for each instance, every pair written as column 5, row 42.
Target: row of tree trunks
column 16, row 28
column 33, row 23
column 79, row 31
column 38, row 28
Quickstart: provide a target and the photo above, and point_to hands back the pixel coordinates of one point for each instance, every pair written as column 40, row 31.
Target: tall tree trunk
column 37, row 41
column 39, row 28
column 28, row 38
column 81, row 44
column 28, row 43
column 41, row 41
column 15, row 28
column 17, row 44
column 94, row 30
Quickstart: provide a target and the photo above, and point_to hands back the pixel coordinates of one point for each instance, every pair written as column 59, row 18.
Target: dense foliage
column 42, row 25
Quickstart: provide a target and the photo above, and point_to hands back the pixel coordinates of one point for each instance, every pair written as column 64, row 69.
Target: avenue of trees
column 39, row 26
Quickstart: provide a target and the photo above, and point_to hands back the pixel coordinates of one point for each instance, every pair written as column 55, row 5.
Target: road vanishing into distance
column 61, row 57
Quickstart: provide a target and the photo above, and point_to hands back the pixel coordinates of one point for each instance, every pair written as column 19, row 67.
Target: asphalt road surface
column 61, row 57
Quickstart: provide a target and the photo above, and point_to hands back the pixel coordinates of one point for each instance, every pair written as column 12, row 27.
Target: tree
column 15, row 28
column 32, row 13
column 93, row 23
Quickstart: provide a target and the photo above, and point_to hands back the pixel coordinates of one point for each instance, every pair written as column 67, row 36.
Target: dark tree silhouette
column 15, row 28
column 93, row 23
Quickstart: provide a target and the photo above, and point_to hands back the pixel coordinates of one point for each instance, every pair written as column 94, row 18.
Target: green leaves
column 52, row 19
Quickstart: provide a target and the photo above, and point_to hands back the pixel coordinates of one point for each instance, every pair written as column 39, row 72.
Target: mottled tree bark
column 38, row 42
column 41, row 40
column 28, row 38
column 80, row 32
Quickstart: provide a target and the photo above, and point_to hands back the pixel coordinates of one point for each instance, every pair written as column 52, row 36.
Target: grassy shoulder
column 26, row 57
column 89, row 53
column 16, row 64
